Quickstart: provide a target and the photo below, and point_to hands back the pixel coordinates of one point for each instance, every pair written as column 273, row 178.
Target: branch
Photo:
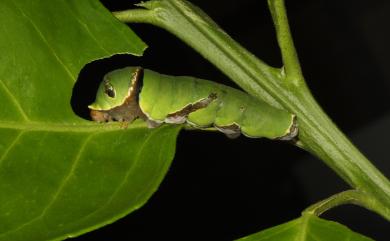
column 317, row 133
column 289, row 55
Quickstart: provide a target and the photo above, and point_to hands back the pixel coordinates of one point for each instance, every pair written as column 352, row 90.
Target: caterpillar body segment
column 133, row 92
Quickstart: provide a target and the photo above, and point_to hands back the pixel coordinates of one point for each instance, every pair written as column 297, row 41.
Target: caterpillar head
column 118, row 89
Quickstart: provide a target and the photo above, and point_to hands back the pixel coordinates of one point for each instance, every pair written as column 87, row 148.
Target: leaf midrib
column 68, row 127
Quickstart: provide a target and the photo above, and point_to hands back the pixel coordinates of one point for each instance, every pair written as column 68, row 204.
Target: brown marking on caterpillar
column 100, row 116
column 129, row 110
column 180, row 117
column 292, row 132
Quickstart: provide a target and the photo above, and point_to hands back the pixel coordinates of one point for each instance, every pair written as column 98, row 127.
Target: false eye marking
column 109, row 90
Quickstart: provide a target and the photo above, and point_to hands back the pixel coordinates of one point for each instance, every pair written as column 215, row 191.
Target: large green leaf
column 307, row 228
column 61, row 175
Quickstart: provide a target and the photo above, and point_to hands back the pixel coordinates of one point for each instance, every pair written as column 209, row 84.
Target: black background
column 222, row 189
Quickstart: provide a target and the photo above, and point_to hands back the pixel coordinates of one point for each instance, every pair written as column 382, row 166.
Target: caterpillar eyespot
column 182, row 99
column 109, row 90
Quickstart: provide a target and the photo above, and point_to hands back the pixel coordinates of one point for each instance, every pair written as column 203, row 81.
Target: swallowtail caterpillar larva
column 132, row 92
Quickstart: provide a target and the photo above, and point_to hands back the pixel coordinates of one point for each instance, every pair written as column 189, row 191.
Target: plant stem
column 285, row 41
column 319, row 134
column 346, row 197
column 282, row 88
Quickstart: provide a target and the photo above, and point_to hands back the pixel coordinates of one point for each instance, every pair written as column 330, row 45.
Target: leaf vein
column 71, row 172
column 10, row 147
column 303, row 231
column 125, row 178
column 14, row 100
column 85, row 26
column 59, row 190
column 67, row 70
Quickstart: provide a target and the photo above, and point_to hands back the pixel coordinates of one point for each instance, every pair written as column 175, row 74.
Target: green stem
column 319, row 134
column 347, row 197
column 282, row 89
column 286, row 44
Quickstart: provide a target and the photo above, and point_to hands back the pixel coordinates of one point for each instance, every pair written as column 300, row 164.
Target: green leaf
column 307, row 228
column 61, row 175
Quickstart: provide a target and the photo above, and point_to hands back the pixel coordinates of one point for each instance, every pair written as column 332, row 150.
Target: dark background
column 222, row 189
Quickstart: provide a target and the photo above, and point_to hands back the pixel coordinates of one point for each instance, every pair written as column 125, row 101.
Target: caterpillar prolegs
column 132, row 92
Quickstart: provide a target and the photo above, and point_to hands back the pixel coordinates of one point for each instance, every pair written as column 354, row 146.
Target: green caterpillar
column 132, row 92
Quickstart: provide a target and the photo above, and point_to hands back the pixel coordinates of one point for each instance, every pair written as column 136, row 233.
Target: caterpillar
column 133, row 92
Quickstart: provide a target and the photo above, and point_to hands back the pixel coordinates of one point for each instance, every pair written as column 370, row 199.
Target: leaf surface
column 61, row 175
column 307, row 228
